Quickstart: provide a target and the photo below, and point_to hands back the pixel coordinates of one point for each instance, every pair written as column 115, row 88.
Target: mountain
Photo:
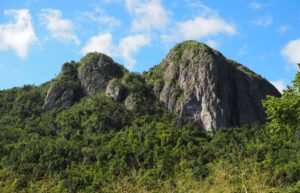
column 203, row 87
column 194, row 81
column 97, row 127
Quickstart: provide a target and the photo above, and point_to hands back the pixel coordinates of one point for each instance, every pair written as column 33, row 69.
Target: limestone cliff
column 203, row 87
column 194, row 81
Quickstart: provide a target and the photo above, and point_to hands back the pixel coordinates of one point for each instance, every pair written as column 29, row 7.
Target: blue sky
column 38, row 36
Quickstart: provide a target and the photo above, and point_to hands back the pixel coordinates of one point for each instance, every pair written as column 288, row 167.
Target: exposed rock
column 131, row 102
column 96, row 70
column 65, row 89
column 194, row 81
column 115, row 90
column 90, row 76
column 58, row 96
column 203, row 87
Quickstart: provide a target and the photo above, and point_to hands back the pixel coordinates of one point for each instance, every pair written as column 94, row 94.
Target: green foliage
column 97, row 145
column 284, row 112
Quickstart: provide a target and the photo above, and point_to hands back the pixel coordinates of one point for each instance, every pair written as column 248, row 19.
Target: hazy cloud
column 99, row 16
column 283, row 29
column 263, row 21
column 243, row 50
column 256, row 5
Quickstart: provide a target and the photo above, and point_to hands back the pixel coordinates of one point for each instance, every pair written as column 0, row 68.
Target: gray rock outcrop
column 96, row 71
column 65, row 89
column 90, row 76
column 115, row 90
column 203, row 87
column 194, row 81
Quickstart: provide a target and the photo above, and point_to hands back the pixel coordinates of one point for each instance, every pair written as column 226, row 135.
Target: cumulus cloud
column 18, row 35
column 60, row 29
column 263, row 21
column 148, row 15
column 126, row 48
column 202, row 27
column 291, row 51
column 204, row 24
column 131, row 45
column 100, row 43
column 279, row 84
column 212, row 43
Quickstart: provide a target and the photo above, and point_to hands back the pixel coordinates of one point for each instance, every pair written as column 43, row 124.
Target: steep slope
column 98, row 73
column 121, row 138
column 203, row 87
column 195, row 82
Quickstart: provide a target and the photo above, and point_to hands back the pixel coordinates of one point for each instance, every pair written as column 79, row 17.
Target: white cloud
column 204, row 24
column 283, row 29
column 126, row 48
column 263, row 21
column 99, row 16
column 148, row 15
column 212, row 43
column 131, row 45
column 291, row 51
column 198, row 28
column 100, row 43
column 60, row 29
column 279, row 84
column 18, row 35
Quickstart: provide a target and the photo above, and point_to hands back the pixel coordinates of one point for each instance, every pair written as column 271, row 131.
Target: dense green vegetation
column 98, row 146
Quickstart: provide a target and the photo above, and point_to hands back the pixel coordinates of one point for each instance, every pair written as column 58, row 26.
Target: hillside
column 180, row 127
column 196, row 83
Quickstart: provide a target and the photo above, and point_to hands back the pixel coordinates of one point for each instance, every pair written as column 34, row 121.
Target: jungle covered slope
column 100, row 145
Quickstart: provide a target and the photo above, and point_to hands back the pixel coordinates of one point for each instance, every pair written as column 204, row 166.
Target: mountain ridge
column 194, row 81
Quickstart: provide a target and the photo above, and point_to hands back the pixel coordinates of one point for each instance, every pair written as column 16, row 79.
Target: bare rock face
column 194, row 81
column 95, row 72
column 130, row 102
column 115, row 90
column 87, row 77
column 65, row 89
column 203, row 87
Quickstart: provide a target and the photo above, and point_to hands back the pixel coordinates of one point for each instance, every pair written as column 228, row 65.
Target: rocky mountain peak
column 87, row 77
column 203, row 87
column 96, row 70
column 194, row 81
